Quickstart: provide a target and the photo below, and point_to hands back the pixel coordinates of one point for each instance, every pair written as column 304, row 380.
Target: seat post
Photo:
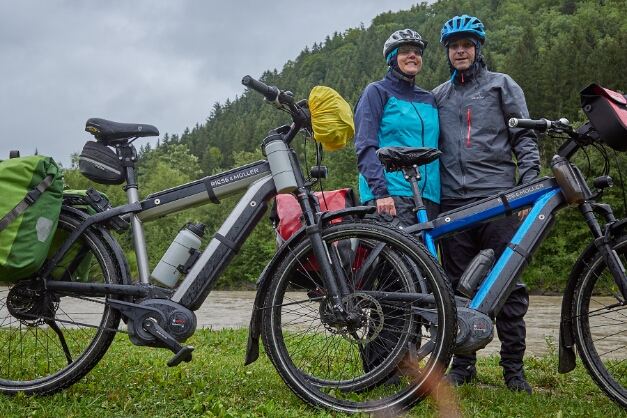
column 413, row 176
column 128, row 154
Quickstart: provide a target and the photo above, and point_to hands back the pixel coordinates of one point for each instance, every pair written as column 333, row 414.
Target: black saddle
column 397, row 158
column 111, row 132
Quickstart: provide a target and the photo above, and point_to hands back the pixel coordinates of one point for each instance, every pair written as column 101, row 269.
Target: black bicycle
column 355, row 315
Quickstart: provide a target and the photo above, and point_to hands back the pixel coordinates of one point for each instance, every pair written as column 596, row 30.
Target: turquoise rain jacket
column 394, row 112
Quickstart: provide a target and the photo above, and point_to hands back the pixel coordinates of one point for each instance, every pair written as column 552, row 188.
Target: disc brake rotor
column 364, row 307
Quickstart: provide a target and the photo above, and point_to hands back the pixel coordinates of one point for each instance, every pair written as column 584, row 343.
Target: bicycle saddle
column 111, row 132
column 396, row 158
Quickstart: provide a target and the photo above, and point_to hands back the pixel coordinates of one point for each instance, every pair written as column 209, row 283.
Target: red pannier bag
column 286, row 219
column 607, row 112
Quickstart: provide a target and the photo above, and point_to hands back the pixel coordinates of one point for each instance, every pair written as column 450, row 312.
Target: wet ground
column 224, row 309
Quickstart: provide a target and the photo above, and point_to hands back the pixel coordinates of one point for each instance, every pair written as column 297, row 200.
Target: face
column 409, row 59
column 462, row 54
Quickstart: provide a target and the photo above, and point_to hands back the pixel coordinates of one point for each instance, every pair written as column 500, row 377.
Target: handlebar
column 538, row 125
column 271, row 93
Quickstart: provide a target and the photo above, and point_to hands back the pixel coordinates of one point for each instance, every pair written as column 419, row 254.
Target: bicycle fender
column 566, row 352
column 114, row 246
column 263, row 283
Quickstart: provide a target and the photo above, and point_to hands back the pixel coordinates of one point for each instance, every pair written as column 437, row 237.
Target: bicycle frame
column 545, row 198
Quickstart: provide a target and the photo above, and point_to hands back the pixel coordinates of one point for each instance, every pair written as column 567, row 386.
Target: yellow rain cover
column 331, row 118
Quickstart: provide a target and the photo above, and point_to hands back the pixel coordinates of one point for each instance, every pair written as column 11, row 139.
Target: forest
column 552, row 48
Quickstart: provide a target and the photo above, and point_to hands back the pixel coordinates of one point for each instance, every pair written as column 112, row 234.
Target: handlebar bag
column 331, row 118
column 607, row 112
column 29, row 211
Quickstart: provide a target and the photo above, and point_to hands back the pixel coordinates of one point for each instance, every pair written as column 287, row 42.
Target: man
column 477, row 145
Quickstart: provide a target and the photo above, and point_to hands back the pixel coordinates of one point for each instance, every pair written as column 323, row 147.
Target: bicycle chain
column 77, row 323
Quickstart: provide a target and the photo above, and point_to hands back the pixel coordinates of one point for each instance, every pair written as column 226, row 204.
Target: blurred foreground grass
column 135, row 382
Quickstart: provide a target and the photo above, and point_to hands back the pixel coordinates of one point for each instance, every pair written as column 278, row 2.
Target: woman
column 395, row 112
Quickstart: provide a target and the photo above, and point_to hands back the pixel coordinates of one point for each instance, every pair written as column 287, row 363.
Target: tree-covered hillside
column 552, row 48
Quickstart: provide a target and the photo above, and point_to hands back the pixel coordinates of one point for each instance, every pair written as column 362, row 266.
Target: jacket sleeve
column 524, row 142
column 368, row 112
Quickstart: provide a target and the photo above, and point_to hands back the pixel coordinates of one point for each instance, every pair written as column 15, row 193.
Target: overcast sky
column 159, row 62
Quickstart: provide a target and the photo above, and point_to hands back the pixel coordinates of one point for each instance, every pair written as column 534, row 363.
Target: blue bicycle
column 593, row 309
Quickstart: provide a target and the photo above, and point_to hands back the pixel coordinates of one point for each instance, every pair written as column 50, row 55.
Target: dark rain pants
column 376, row 351
column 457, row 252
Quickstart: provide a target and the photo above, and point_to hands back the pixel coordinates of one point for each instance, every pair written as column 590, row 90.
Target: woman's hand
column 386, row 204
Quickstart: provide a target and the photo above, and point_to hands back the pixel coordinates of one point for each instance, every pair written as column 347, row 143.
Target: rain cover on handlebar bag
column 607, row 112
column 331, row 118
column 31, row 189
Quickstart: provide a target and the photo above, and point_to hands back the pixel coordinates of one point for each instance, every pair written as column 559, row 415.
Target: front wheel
column 49, row 340
column 599, row 319
column 396, row 346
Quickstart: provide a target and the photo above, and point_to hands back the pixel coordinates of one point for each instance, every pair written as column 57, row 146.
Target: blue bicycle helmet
column 461, row 26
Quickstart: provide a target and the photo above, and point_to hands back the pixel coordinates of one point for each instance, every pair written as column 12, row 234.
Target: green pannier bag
column 32, row 194
column 75, row 265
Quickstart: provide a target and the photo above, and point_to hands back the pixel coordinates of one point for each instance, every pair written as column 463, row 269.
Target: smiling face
column 409, row 59
column 461, row 53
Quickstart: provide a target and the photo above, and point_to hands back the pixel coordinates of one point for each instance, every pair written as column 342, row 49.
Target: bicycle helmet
column 403, row 37
column 462, row 26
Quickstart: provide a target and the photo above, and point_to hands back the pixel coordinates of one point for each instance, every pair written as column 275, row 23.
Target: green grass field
column 135, row 382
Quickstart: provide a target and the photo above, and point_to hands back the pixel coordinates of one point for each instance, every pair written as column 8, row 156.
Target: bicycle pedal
column 185, row 354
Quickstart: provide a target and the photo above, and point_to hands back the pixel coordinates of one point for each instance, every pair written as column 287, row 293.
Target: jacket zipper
column 469, row 126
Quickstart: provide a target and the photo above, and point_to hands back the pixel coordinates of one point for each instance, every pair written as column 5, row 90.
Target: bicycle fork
column 328, row 263
column 603, row 242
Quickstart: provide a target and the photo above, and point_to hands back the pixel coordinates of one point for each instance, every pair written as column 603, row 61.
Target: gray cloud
column 159, row 62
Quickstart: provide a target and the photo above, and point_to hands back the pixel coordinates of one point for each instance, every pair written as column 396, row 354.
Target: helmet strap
column 402, row 76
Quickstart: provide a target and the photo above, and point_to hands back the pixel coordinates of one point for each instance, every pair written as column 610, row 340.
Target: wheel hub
column 365, row 318
column 31, row 307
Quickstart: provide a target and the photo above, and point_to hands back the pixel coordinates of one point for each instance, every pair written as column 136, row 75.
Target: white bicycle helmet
column 403, row 37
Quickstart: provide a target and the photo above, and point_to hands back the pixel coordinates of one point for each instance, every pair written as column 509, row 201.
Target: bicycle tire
column 599, row 322
column 34, row 359
column 329, row 366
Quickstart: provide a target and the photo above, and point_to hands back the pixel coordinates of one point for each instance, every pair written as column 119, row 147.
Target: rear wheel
column 392, row 353
column 49, row 340
column 599, row 319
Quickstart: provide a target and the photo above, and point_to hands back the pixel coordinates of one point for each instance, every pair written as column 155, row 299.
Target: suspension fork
column 603, row 242
column 331, row 274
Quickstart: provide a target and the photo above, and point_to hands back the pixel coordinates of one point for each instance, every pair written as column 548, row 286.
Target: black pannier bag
column 101, row 164
column 607, row 112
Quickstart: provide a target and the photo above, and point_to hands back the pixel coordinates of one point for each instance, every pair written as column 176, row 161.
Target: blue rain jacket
column 394, row 112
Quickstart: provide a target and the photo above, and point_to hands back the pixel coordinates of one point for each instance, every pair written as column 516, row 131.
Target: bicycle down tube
column 545, row 197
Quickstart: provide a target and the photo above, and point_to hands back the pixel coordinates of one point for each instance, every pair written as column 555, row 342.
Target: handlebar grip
column 538, row 125
column 270, row 93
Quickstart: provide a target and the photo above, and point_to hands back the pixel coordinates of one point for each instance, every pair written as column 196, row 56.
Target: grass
column 135, row 381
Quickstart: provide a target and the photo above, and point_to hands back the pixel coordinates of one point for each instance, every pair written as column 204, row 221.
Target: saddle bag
column 607, row 112
column 100, row 164
column 29, row 212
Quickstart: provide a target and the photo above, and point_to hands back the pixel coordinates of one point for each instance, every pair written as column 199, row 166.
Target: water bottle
column 278, row 154
column 567, row 180
column 182, row 248
column 476, row 271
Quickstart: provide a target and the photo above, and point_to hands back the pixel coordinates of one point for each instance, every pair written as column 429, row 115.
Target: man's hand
column 523, row 214
column 386, row 204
